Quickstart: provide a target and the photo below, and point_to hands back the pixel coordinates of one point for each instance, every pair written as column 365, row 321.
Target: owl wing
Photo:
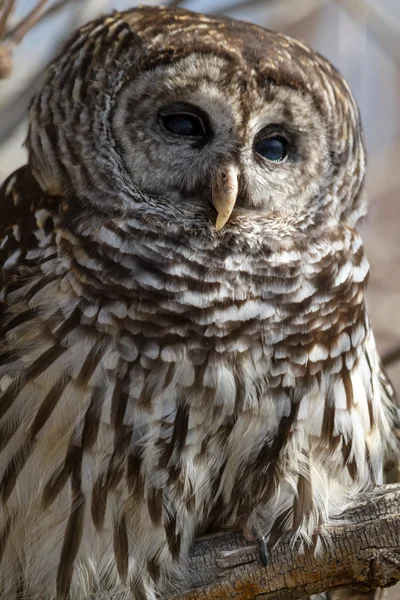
column 390, row 401
column 27, row 222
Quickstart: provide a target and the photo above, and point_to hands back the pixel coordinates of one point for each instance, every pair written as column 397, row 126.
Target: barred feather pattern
column 159, row 378
column 129, row 423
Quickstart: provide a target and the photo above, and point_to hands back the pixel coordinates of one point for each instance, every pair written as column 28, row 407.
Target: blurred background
column 360, row 37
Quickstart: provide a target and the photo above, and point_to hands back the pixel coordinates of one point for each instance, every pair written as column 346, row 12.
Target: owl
column 184, row 340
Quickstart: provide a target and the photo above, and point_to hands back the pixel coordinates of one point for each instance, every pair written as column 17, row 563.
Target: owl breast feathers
column 184, row 342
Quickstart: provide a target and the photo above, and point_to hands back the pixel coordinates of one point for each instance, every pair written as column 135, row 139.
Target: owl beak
column 224, row 194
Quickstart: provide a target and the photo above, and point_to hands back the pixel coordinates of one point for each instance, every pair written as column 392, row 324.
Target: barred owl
column 184, row 338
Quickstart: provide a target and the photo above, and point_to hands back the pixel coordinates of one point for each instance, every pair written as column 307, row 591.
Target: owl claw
column 250, row 535
column 264, row 552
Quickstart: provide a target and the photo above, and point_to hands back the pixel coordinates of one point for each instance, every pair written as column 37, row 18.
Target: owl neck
column 193, row 296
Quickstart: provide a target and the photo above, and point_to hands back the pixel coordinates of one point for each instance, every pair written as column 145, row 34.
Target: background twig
column 15, row 35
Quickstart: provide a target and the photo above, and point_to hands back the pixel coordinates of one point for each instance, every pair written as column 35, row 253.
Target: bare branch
column 5, row 15
column 6, row 62
column 15, row 35
column 14, row 111
column 54, row 8
column 11, row 38
column 363, row 551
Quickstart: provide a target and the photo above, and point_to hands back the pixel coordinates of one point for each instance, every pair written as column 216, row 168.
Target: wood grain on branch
column 361, row 550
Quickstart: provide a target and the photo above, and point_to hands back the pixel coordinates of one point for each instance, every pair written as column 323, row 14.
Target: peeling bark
column 361, row 550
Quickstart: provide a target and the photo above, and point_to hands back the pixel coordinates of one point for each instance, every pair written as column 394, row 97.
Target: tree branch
column 6, row 11
column 13, row 113
column 362, row 551
column 11, row 37
column 15, row 35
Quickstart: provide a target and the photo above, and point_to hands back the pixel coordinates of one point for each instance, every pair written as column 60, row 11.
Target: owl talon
column 264, row 552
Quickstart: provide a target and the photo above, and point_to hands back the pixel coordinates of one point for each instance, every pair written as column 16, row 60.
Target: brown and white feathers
column 161, row 375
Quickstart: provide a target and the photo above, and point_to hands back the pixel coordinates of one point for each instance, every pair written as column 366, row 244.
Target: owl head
column 199, row 123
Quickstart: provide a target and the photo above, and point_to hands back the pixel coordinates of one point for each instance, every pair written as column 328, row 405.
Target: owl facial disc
column 224, row 194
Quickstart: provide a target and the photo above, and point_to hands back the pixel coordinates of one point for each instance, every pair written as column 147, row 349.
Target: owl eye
column 274, row 149
column 183, row 125
column 184, row 120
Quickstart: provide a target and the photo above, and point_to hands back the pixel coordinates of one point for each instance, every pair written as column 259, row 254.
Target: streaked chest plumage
column 164, row 387
column 167, row 367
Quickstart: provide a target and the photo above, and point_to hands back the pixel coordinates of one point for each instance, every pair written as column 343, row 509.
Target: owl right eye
column 184, row 121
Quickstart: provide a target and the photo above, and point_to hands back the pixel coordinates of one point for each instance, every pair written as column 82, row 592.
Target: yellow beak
column 224, row 194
